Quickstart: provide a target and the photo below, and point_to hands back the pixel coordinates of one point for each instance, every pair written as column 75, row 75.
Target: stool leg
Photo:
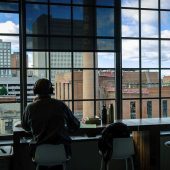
column 126, row 160
column 102, row 163
column 131, row 158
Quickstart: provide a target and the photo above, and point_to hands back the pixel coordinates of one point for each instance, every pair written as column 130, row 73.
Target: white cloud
column 9, row 27
column 149, row 30
column 149, row 3
column 165, row 4
column 165, row 34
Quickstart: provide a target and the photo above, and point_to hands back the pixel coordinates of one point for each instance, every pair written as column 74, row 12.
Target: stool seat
column 50, row 155
column 167, row 143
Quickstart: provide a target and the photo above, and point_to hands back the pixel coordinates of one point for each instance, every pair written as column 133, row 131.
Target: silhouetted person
column 49, row 120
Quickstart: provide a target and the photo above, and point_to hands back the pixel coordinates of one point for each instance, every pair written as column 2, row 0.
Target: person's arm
column 72, row 122
column 25, row 120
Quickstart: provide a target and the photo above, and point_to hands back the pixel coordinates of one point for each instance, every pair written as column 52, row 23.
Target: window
column 72, row 43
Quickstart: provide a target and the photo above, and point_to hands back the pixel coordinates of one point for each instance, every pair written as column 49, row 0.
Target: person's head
column 43, row 87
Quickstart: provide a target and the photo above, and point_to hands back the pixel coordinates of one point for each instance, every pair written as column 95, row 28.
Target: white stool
column 50, row 155
column 123, row 148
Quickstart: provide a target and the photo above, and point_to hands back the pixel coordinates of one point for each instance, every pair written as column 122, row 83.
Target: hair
column 43, row 87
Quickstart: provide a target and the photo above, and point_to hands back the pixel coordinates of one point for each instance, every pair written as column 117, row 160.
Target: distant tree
column 3, row 91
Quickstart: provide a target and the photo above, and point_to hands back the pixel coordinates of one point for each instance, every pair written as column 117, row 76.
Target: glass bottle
column 111, row 114
column 104, row 115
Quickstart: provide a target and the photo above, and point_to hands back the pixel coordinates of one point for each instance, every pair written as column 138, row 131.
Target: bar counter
column 145, row 132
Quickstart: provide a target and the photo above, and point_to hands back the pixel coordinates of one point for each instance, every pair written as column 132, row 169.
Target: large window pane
column 130, row 84
column 105, row 84
column 165, row 79
column 130, row 3
column 60, row 60
column 83, row 21
column 149, row 54
column 9, row 115
column 105, row 60
column 8, row 6
column 149, row 4
column 150, row 83
column 60, row 20
column 105, row 22
column 57, row 43
column 165, row 57
column 63, row 84
column 149, row 23
column 150, row 108
column 105, row 44
column 105, row 2
column 38, row 59
column 130, row 53
column 37, row 43
column 130, row 23
column 9, row 23
column 83, row 44
column 36, row 19
column 131, row 109
column 165, row 4
column 165, row 25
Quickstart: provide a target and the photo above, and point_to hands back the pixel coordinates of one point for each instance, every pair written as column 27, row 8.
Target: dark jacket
column 105, row 144
column 49, row 120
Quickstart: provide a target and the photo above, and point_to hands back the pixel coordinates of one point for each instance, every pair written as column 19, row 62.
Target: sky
column 9, row 23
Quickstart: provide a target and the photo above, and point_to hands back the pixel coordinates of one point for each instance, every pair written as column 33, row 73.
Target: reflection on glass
column 36, row 19
column 83, row 2
column 37, row 0
column 149, row 23
column 105, row 44
column 105, row 22
column 61, row 1
column 105, row 84
column 149, row 54
column 8, row 6
column 130, row 23
column 57, row 43
column 165, row 57
column 130, row 3
column 9, row 23
column 130, row 84
column 38, row 43
column 165, row 25
column 9, row 115
column 83, row 44
column 150, row 108
column 149, row 4
column 83, row 21
column 105, row 2
column 105, row 60
column 60, row 20
column 130, row 53
column 131, row 109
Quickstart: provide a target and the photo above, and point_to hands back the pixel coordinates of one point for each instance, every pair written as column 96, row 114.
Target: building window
column 149, row 109
column 164, row 108
column 132, row 110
